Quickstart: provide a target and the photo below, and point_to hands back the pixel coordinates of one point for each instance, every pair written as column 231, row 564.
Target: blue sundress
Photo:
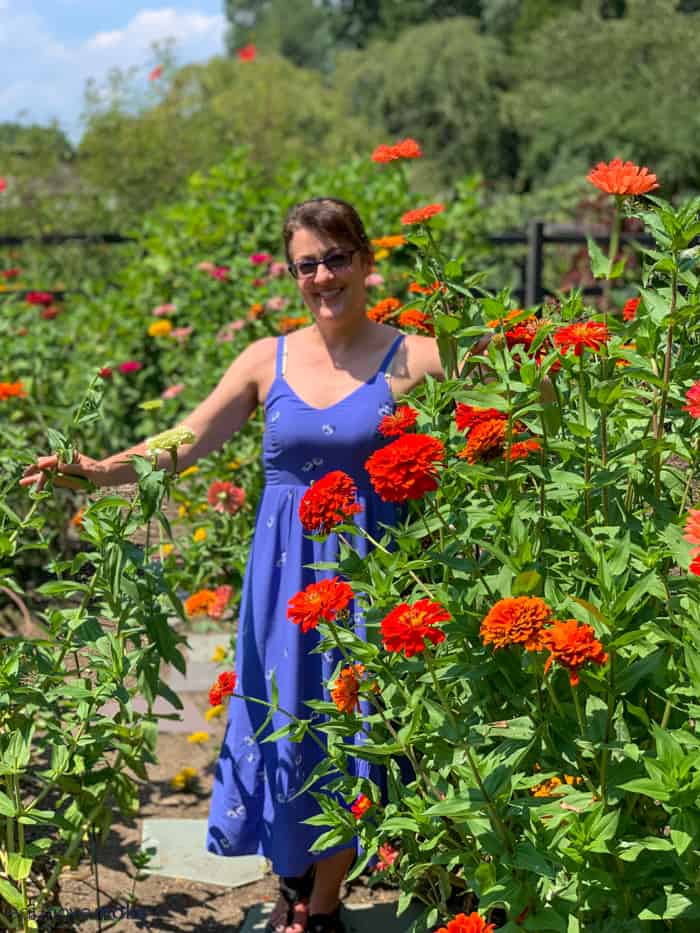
column 253, row 807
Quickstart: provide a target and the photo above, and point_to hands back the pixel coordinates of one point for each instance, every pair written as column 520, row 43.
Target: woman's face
column 330, row 294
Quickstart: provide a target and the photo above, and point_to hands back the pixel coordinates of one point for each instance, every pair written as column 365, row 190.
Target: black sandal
column 326, row 923
column 294, row 890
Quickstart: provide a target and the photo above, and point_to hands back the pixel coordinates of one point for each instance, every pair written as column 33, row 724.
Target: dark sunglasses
column 334, row 262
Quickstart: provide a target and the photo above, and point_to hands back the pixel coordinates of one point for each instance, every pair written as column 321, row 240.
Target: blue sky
column 49, row 48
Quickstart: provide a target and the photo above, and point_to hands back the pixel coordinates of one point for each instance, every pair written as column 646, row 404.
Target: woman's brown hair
column 327, row 217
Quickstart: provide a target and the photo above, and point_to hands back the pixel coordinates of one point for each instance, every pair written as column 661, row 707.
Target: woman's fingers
column 37, row 473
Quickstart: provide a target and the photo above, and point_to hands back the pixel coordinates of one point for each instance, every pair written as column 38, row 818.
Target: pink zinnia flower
column 172, row 391
column 692, row 397
column 222, row 596
column 374, row 279
column 225, row 497
column 50, row 312
column 278, row 303
column 181, row 333
column 277, row 270
column 258, row 282
column 105, row 372
column 155, row 73
column 3, row 184
column 228, row 331
column 205, row 266
column 260, row 259
column 131, row 366
column 162, row 310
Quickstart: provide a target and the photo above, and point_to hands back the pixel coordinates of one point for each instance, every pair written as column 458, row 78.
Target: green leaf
column 18, row 867
column 648, row 788
column 670, row 906
column 527, row 582
column 152, row 404
column 9, row 893
column 599, row 261
column 7, row 808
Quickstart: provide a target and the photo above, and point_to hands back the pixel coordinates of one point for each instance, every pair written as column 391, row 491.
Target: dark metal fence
column 531, row 290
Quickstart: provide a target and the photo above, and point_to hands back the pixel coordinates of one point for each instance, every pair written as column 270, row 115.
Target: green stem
column 666, row 377
column 579, row 712
column 587, row 455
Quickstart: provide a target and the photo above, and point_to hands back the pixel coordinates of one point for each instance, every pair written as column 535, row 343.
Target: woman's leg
column 328, row 878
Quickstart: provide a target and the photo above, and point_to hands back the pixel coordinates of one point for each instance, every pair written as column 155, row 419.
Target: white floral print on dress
column 328, row 429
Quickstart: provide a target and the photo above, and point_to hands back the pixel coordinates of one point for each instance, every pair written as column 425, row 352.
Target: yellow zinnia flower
column 196, row 738
column 214, row 712
column 219, row 654
column 166, row 549
column 185, row 779
column 200, row 535
column 160, row 328
column 190, row 471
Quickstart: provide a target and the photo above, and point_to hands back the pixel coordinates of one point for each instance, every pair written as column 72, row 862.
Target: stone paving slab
column 201, row 671
column 180, row 853
column 201, row 645
column 357, row 918
column 191, row 718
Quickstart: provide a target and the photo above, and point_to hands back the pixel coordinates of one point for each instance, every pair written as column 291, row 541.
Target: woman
column 324, row 389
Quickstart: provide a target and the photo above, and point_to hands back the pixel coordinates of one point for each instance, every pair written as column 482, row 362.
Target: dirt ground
column 168, row 904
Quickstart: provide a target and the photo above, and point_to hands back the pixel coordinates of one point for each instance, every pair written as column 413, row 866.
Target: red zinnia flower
column 224, row 687
column 50, row 312
column 105, row 372
column 246, row 53
column 222, row 597
column 39, row 298
column 208, row 602
column 629, row 312
column 387, row 856
column 516, row 620
column 406, row 468
column 403, row 418
column 346, row 689
column 225, row 497
column 622, row 178
column 215, row 696
column 361, row 806
column 467, row 924
column 406, row 149
column 468, row 417
column 328, row 502
column 12, row 390
column 692, row 397
column 383, row 309
column 571, row 645
column 131, row 366
column 592, row 334
column 406, row 627
column 421, row 214
column 412, row 317
column 10, row 273
column 522, row 449
column 323, row 600
column 485, row 440
column 3, row 184
column 691, row 532
column 155, row 73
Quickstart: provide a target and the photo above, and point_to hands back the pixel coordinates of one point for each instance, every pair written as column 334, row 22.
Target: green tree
column 591, row 88
column 440, row 83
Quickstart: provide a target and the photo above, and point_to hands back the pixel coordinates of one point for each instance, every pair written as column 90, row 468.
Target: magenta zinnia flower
column 131, row 366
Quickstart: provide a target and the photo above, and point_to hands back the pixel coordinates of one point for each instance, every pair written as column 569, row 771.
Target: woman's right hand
column 70, row 475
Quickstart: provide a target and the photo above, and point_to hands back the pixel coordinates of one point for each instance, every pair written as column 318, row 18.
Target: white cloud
column 45, row 77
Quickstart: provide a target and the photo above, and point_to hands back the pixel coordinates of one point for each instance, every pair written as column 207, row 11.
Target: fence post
column 534, row 292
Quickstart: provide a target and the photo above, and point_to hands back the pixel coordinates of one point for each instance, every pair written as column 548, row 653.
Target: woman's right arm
column 213, row 422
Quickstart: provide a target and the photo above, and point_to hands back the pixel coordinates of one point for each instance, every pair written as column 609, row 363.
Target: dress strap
column 281, row 357
column 386, row 362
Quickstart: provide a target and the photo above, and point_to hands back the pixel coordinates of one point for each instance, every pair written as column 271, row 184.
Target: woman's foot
column 290, row 913
column 326, row 922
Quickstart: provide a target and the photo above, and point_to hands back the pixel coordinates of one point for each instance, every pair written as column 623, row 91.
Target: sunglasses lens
column 337, row 261
column 306, row 267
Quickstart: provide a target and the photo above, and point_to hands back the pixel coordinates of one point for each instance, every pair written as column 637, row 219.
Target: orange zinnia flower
column 246, row 53
column 77, row 520
column 406, row 468
column 592, row 334
column 467, row 924
column 485, row 441
column 571, row 645
column 292, row 322
column 208, row 602
column 496, row 322
column 12, row 390
column 522, row 449
column 622, row 178
column 223, row 496
column 361, row 806
column 322, row 600
column 692, row 535
column 417, row 289
column 389, row 242
column 328, row 502
column 516, row 620
column 412, row 317
column 421, row 214
column 346, row 690
column 629, row 312
column 403, row 418
column 406, row 627
column 383, row 309
column 692, row 397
